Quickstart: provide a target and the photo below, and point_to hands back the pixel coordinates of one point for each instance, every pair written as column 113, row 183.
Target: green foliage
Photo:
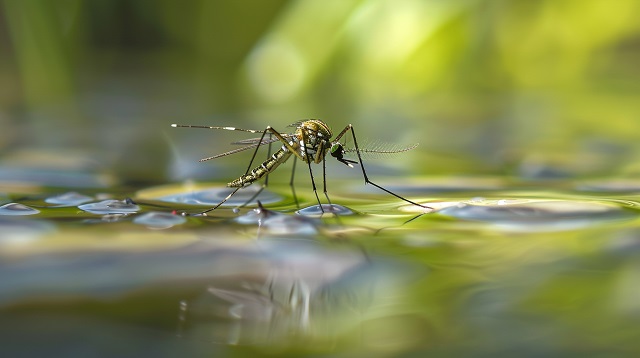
column 491, row 84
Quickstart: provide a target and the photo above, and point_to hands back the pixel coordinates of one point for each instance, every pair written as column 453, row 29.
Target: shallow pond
column 498, row 267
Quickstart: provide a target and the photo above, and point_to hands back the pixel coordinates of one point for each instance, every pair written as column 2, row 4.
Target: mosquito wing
column 250, row 143
column 297, row 123
column 234, row 151
column 254, row 141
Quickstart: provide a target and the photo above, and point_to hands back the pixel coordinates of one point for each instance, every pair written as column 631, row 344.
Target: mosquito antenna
column 214, row 127
column 380, row 149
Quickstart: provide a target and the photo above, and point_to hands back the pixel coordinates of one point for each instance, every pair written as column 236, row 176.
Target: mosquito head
column 337, row 151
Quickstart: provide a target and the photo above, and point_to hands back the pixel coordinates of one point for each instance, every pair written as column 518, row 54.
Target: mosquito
column 310, row 142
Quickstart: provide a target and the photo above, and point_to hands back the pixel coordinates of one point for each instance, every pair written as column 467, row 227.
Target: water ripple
column 15, row 209
column 279, row 224
column 159, row 220
column 314, row 210
column 111, row 207
column 68, row 199
column 537, row 214
column 17, row 231
column 213, row 196
column 611, row 186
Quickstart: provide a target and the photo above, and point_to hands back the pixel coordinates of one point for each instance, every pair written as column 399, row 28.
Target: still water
column 497, row 268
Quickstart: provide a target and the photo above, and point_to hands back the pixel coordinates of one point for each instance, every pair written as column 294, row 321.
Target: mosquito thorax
column 318, row 126
column 313, row 136
column 315, row 132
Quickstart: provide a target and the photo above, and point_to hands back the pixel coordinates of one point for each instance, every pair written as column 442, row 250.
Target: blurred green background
column 545, row 88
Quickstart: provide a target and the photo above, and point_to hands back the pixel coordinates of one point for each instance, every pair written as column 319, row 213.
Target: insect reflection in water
column 310, row 142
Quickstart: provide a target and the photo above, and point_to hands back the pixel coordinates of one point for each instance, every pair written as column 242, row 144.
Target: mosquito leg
column 286, row 144
column 220, row 203
column 266, row 179
column 254, row 196
column 364, row 172
column 313, row 185
column 324, row 181
column 253, row 157
column 255, row 152
column 292, row 185
column 313, row 182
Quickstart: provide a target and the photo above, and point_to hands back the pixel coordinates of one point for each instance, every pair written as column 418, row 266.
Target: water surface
column 496, row 268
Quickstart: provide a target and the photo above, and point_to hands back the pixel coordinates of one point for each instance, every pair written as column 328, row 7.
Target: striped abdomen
column 263, row 169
